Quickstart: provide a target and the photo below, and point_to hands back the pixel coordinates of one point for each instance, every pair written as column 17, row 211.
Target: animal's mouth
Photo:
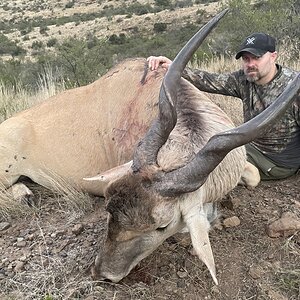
column 101, row 276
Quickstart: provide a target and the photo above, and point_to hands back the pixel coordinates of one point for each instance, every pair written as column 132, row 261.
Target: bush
column 163, row 3
column 159, row 27
column 52, row 42
column 36, row 45
column 70, row 4
column 9, row 47
column 117, row 39
column 184, row 3
column 278, row 18
column 43, row 29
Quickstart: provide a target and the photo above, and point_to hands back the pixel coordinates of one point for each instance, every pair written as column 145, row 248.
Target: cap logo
column 250, row 41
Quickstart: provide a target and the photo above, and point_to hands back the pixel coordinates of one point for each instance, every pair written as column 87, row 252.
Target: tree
column 279, row 18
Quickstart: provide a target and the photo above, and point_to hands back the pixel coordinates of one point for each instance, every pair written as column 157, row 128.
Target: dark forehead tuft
column 130, row 203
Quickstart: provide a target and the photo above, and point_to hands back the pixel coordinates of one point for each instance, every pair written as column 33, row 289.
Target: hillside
column 29, row 22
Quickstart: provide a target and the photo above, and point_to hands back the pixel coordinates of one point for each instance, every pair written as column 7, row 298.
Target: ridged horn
column 148, row 147
column 191, row 176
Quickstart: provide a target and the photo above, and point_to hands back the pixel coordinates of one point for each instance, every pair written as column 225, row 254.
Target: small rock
column 23, row 258
column 231, row 203
column 181, row 274
column 77, row 229
column 215, row 290
column 4, row 261
column 276, row 296
column 255, row 272
column 19, row 266
column 21, row 244
column 89, row 298
column 4, row 226
column 287, row 225
column 59, row 233
column 30, row 237
column 10, row 266
column 232, row 222
column 21, row 193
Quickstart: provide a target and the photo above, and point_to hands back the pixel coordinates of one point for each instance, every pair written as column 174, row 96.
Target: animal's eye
column 162, row 227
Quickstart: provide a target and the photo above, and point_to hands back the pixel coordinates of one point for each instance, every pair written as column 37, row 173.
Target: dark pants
column 267, row 169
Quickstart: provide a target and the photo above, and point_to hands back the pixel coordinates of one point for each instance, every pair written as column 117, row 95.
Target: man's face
column 258, row 69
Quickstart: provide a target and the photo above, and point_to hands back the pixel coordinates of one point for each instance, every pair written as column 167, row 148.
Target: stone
column 77, row 229
column 255, row 272
column 21, row 244
column 287, row 225
column 182, row 274
column 232, row 221
column 231, row 202
column 4, row 226
column 19, row 266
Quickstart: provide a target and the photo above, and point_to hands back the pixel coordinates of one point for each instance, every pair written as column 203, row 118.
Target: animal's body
column 82, row 131
column 190, row 158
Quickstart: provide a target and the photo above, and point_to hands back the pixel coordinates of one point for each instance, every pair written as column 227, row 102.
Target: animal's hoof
column 22, row 194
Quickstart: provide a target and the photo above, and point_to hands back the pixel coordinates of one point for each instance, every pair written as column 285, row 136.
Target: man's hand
column 155, row 61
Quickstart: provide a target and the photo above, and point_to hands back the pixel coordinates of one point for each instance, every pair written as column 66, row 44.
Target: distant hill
column 32, row 24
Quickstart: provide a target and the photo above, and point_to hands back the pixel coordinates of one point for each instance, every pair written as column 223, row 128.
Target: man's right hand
column 155, row 61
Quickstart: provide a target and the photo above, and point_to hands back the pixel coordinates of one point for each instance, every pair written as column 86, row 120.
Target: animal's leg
column 16, row 137
column 250, row 177
column 22, row 193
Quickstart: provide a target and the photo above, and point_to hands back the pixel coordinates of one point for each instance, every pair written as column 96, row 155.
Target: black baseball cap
column 257, row 44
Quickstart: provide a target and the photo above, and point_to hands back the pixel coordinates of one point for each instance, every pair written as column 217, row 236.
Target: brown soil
column 46, row 255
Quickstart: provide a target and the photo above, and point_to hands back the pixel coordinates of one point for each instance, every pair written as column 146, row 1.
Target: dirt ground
column 46, row 254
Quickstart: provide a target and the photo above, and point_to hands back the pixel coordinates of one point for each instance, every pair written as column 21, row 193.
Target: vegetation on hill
column 79, row 61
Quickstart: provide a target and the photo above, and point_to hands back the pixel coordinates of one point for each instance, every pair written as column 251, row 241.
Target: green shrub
column 279, row 18
column 160, row 27
column 43, row 29
column 163, row 3
column 9, row 47
column 36, row 45
column 70, row 4
column 51, row 42
column 117, row 39
column 184, row 3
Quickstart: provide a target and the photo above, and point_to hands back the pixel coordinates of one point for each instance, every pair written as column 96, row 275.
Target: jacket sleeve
column 296, row 109
column 225, row 84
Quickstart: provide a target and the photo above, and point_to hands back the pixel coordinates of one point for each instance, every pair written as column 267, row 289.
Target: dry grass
column 9, row 207
column 18, row 99
column 72, row 202
column 69, row 199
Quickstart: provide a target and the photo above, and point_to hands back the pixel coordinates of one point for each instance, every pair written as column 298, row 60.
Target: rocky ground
column 46, row 254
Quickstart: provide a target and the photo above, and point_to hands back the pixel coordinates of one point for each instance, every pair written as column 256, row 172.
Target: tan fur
column 83, row 131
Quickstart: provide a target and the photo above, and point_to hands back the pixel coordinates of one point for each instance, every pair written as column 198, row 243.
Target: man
column 260, row 81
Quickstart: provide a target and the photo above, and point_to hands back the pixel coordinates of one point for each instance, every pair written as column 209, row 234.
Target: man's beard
column 252, row 78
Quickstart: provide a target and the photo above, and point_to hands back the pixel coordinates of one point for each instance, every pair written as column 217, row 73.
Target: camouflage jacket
column 282, row 143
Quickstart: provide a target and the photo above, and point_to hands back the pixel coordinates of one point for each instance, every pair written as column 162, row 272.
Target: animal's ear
column 198, row 226
column 112, row 174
